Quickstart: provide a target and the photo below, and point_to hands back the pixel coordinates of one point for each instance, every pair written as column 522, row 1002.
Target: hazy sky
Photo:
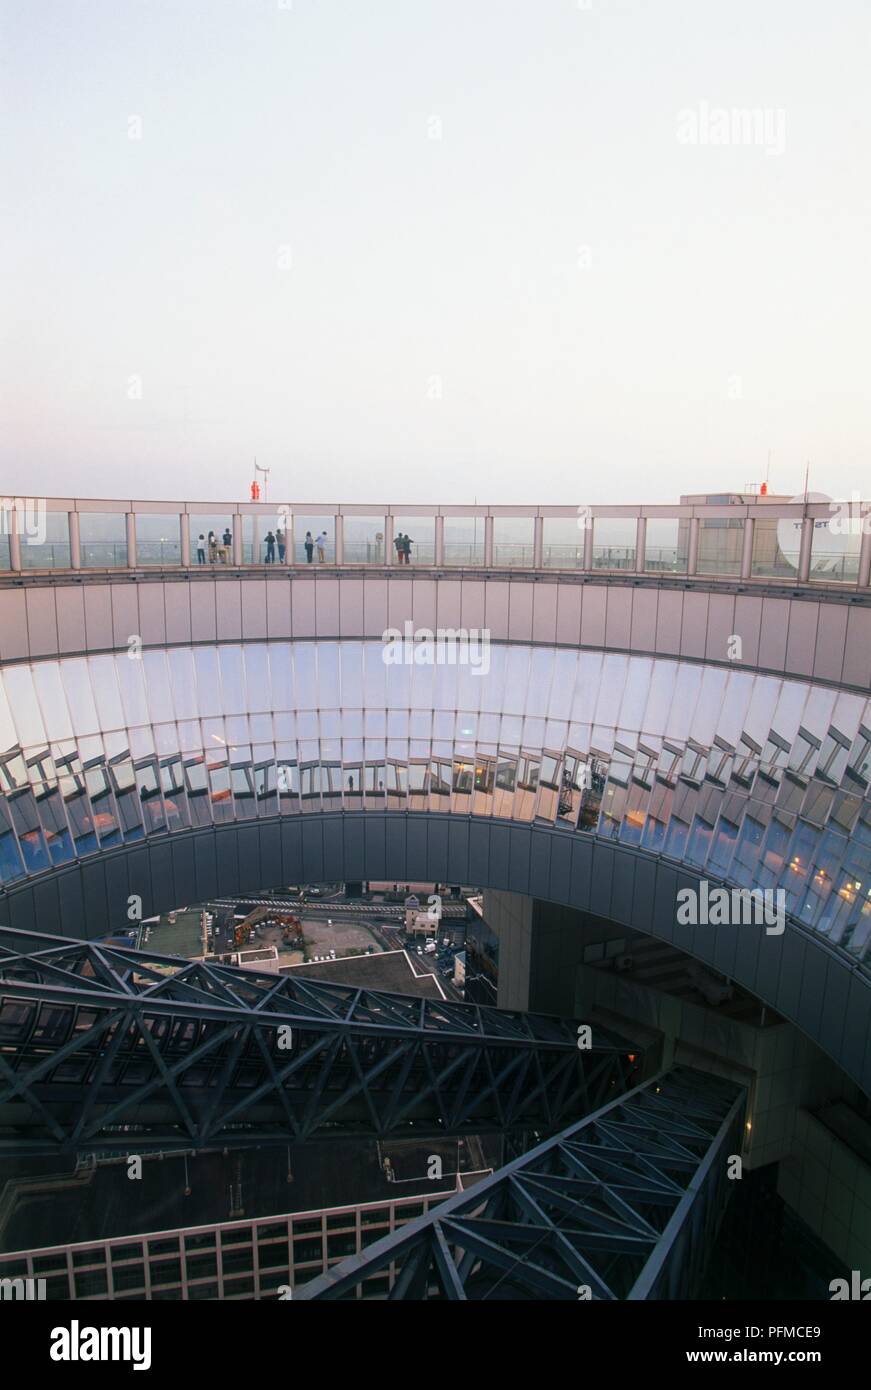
column 432, row 250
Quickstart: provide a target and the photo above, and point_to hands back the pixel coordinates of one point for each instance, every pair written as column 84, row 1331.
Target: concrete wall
column 826, row 637
column 830, row 1187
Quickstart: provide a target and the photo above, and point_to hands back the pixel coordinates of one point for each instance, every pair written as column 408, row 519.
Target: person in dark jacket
column 309, row 547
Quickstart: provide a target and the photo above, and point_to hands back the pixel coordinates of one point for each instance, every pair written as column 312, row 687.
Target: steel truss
column 114, row 1049
column 623, row 1205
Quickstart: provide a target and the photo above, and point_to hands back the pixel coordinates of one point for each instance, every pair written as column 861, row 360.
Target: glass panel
column 211, row 539
column 614, row 542
column 776, row 545
column 264, row 539
column 464, row 540
column 158, row 539
column 835, row 547
column 513, row 538
column 363, row 540
column 721, row 543
column 314, row 540
column 51, row 551
column 103, row 539
column 666, row 545
column 420, row 531
column 563, row 543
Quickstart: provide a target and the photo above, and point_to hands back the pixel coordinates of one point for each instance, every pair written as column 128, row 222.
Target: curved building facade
column 603, row 739
column 756, row 781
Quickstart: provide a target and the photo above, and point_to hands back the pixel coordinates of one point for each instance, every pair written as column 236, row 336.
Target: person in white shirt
column 321, row 545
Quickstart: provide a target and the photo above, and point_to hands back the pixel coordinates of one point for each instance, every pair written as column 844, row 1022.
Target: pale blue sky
column 721, row 309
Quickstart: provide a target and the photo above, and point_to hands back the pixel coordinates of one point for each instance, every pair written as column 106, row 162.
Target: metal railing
column 766, row 540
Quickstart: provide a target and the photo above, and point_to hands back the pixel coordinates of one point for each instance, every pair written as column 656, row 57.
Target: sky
column 512, row 251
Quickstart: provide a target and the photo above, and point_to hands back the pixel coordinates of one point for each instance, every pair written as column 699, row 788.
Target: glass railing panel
column 776, row 547
column 721, row 545
column 563, row 542
column 513, row 541
column 264, row 538
column 614, row 539
column 835, row 546
column 46, row 544
column 211, row 538
column 419, row 532
column 364, row 540
column 314, row 540
column 666, row 545
column 464, row 540
column 103, row 537
column 158, row 539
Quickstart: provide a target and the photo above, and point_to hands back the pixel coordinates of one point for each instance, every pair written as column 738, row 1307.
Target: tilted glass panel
column 775, row 810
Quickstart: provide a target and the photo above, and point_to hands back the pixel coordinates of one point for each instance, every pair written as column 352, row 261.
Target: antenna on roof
column 265, row 472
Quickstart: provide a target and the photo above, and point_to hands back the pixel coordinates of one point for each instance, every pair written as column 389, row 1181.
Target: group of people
column 222, row 550
column 277, row 540
column 319, row 543
column 403, row 546
column 273, row 540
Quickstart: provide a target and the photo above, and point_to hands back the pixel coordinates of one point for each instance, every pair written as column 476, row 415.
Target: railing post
column 804, row 553
column 388, row 540
column 588, row 543
column 14, row 538
column 131, row 540
column 693, row 551
column 237, row 539
column 439, row 541
column 184, row 535
column 339, row 521
column 865, row 552
column 640, row 544
column 537, row 542
column 75, row 541
column 747, row 551
column 488, row 542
